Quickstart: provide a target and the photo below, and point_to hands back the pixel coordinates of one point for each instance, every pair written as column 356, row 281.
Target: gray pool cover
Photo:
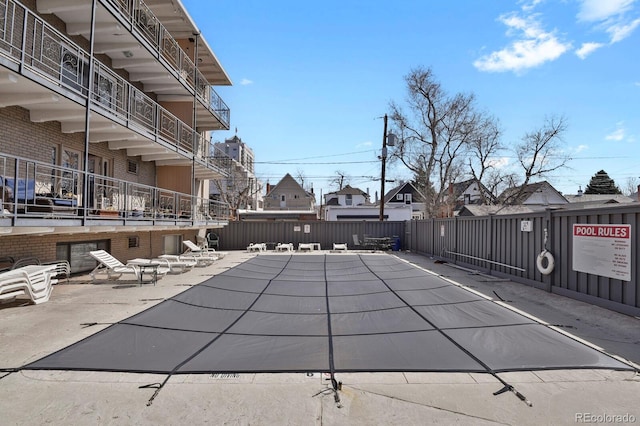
column 326, row 312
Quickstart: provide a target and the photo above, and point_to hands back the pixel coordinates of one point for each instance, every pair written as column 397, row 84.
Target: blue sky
column 313, row 79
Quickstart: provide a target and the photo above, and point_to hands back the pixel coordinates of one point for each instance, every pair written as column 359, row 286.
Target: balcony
column 55, row 73
column 36, row 197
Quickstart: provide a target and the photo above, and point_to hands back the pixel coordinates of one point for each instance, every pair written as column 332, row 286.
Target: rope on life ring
column 545, row 270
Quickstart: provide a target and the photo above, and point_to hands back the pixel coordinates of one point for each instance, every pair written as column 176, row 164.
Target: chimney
column 580, row 191
column 268, row 187
column 638, row 193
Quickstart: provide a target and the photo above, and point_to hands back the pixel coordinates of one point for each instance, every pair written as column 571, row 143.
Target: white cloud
column 587, row 48
column 499, row 163
column 600, row 10
column 581, row 148
column 364, row 144
column 610, row 16
column 616, row 135
column 533, row 48
column 246, row 82
column 619, row 32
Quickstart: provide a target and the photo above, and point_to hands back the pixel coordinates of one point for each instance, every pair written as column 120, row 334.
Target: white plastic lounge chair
column 340, row 246
column 284, row 247
column 192, row 248
column 33, row 281
column 305, row 246
column 111, row 266
column 257, row 247
column 197, row 260
column 175, row 264
column 62, row 268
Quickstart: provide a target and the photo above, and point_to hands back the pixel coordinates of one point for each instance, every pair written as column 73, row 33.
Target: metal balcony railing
column 33, row 189
column 33, row 45
column 142, row 18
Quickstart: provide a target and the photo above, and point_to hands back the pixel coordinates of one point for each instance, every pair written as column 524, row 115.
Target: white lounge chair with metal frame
column 115, row 269
column 175, row 264
column 192, row 248
column 111, row 266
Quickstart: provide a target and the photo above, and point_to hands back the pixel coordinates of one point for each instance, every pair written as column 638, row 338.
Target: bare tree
column 340, row 180
column 631, row 186
column 237, row 189
column 300, row 177
column 540, row 153
column 482, row 151
column 435, row 134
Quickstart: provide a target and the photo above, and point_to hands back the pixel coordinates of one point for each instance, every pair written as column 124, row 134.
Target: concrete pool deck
column 28, row 333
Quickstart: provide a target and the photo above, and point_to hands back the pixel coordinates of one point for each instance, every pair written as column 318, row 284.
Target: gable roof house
column 522, row 199
column 347, row 196
column 106, row 115
column 465, row 193
column 407, row 193
column 353, row 204
column 287, row 200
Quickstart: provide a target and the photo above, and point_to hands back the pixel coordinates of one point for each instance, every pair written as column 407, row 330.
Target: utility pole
column 383, row 157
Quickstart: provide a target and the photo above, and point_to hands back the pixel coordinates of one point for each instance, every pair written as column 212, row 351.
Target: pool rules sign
column 603, row 250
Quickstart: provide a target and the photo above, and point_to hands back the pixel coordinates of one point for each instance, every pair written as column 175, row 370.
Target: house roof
column 485, row 210
column 405, row 188
column 599, row 198
column 289, row 178
column 520, row 194
column 348, row 189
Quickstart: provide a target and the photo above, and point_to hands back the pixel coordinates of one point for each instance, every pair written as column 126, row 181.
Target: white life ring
column 545, row 270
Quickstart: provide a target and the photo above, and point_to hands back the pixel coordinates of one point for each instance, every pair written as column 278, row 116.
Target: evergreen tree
column 601, row 183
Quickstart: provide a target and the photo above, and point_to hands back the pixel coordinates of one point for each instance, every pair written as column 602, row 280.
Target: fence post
column 491, row 241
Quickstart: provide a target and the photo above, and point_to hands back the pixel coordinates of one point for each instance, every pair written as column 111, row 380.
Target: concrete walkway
column 30, row 332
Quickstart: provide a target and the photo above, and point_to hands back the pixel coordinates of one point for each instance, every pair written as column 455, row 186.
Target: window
column 134, row 242
column 349, row 199
column 399, row 197
column 407, row 198
column 132, row 167
column 77, row 254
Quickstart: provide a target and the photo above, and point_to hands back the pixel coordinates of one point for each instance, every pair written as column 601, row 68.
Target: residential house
column 353, row 204
column 287, row 196
column 522, row 199
column 106, row 110
column 582, row 200
column 540, row 194
column 347, row 196
column 406, row 193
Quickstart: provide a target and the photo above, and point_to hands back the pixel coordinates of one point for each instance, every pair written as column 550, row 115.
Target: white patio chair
column 175, row 264
column 33, row 281
column 284, row 247
column 340, row 246
column 192, row 248
column 259, row 247
column 111, row 266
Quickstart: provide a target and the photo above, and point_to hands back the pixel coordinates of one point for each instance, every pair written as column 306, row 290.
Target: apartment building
column 241, row 189
column 106, row 113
